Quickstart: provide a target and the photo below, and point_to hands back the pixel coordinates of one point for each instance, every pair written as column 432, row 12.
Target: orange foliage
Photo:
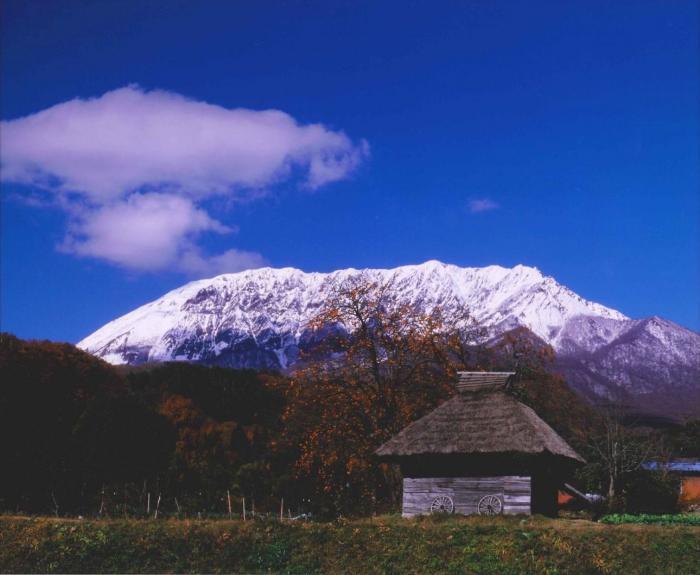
column 393, row 363
column 202, row 443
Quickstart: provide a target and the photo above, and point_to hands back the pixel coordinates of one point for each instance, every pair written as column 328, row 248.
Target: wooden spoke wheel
column 442, row 504
column 490, row 505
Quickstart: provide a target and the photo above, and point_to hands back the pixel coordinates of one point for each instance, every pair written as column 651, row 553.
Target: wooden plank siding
column 419, row 492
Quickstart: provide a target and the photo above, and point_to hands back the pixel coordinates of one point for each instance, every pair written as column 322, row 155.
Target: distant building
column 483, row 452
column 688, row 471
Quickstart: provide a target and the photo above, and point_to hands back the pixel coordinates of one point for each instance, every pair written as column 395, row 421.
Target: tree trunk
column 612, row 493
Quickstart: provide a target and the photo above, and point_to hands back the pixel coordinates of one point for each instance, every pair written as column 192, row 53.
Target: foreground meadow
column 385, row 544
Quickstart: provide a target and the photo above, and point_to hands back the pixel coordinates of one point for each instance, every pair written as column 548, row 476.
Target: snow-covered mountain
column 655, row 363
column 270, row 308
column 257, row 318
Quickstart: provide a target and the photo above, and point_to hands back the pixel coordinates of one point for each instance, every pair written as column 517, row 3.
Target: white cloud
column 194, row 263
column 132, row 168
column 146, row 231
column 128, row 139
column 479, row 205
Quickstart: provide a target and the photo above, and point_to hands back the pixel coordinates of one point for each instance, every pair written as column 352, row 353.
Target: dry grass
column 385, row 544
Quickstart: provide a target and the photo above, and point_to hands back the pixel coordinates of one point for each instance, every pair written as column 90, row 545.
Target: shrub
column 651, row 492
column 645, row 518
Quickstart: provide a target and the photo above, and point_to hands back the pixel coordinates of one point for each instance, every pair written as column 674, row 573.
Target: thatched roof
column 478, row 422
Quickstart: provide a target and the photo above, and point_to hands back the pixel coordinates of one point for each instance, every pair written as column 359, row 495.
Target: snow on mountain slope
column 646, row 356
column 204, row 319
column 257, row 319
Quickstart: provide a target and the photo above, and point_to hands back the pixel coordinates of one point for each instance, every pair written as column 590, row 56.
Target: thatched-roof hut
column 482, row 451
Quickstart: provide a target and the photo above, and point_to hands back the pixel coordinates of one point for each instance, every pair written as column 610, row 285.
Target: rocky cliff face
column 258, row 318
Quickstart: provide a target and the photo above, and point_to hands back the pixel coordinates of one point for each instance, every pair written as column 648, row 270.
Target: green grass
column 684, row 519
column 389, row 544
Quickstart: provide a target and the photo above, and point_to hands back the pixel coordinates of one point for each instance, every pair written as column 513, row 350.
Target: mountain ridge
column 257, row 318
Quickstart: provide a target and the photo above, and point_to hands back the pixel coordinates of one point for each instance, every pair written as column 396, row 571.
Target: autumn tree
column 45, row 389
column 391, row 362
column 224, row 421
column 79, row 436
column 521, row 351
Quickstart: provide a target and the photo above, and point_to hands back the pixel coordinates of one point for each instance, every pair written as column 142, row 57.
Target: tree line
column 79, row 436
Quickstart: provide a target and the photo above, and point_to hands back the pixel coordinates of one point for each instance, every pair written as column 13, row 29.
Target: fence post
column 228, row 498
column 102, row 501
column 244, row 509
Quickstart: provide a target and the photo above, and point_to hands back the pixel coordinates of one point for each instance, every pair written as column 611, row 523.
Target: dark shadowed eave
column 478, row 422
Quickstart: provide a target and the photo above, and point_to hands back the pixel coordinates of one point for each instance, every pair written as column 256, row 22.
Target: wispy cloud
column 479, row 205
column 150, row 231
column 196, row 264
column 133, row 170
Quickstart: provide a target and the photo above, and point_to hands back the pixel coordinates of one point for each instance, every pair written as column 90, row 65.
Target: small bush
column 651, row 492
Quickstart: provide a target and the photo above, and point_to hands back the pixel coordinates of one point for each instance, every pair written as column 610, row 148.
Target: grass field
column 386, row 544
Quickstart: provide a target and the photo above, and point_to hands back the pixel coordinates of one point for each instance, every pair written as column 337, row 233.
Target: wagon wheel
column 442, row 504
column 490, row 505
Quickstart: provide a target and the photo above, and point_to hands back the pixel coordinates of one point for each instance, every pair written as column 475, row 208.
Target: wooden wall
column 419, row 492
column 690, row 490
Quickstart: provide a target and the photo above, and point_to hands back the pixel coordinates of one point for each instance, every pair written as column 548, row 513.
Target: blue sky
column 562, row 135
